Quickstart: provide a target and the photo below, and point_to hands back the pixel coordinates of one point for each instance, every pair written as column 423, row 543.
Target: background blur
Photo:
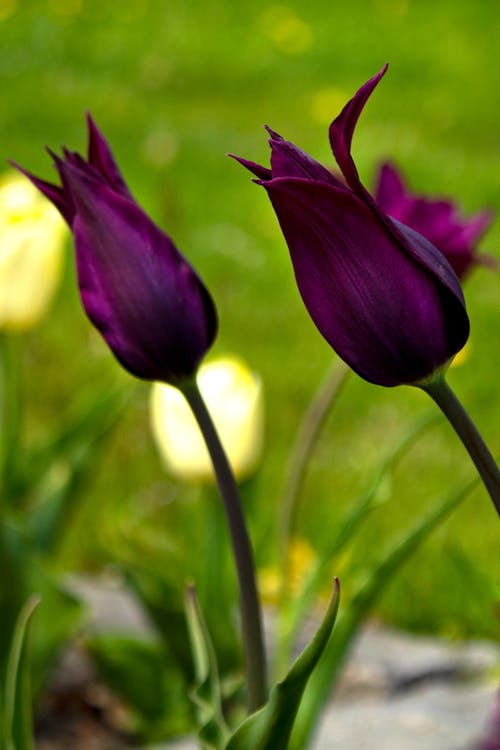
column 177, row 84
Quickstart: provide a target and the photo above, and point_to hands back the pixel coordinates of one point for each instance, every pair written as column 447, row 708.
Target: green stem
column 303, row 447
column 255, row 660
column 10, row 413
column 439, row 390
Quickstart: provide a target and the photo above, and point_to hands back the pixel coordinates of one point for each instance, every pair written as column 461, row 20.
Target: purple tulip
column 437, row 220
column 382, row 295
column 149, row 304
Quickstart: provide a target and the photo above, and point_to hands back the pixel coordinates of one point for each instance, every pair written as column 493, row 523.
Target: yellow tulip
column 233, row 395
column 31, row 251
column 301, row 558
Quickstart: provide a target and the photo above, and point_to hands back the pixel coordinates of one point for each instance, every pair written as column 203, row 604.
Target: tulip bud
column 233, row 395
column 31, row 254
column 381, row 294
column 148, row 303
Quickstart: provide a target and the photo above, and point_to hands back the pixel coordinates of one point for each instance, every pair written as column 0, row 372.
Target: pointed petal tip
column 342, row 129
column 274, row 135
column 92, row 126
column 33, row 178
column 55, row 157
column 263, row 173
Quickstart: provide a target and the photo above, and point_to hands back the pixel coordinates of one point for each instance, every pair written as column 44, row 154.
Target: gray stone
column 432, row 718
column 398, row 691
column 439, row 717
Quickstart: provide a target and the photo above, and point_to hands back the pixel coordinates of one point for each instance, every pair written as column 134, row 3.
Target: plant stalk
column 251, row 616
column 439, row 390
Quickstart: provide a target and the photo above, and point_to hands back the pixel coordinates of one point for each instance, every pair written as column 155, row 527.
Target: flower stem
column 255, row 660
column 440, row 391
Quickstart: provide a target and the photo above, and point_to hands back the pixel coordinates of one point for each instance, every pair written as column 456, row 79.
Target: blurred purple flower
column 492, row 740
column 438, row 220
column 149, row 304
column 382, row 295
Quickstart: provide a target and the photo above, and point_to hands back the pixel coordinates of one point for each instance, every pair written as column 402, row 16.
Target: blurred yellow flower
column 7, row 9
column 461, row 356
column 234, row 397
column 286, row 29
column 301, row 558
column 31, row 251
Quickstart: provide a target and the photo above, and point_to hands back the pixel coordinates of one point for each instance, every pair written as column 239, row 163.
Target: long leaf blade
column 206, row 696
column 17, row 715
column 360, row 605
column 270, row 727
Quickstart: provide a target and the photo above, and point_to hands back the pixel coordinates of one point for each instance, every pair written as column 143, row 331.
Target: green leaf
column 17, row 712
column 296, row 609
column 271, row 726
column 362, row 601
column 22, row 574
column 206, row 696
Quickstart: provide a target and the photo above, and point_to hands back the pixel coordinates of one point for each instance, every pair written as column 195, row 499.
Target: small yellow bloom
column 31, row 251
column 301, row 558
column 234, row 397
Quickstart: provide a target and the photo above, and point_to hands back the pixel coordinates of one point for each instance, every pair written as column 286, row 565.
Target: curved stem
column 440, row 391
column 255, row 661
column 303, row 447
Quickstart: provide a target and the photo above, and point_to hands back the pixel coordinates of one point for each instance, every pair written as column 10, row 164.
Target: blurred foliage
column 175, row 86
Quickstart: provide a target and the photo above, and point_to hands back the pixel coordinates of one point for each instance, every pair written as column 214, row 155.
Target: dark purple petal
column 138, row 290
column 287, row 160
column 101, row 157
column 263, row 173
column 54, row 193
column 432, row 218
column 342, row 129
column 385, row 312
column 390, row 191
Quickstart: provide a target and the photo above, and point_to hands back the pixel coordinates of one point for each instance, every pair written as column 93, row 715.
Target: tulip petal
column 342, row 129
column 287, row 160
column 101, row 157
column 263, row 173
column 390, row 190
column 436, row 219
column 136, row 287
column 477, row 226
column 54, row 193
column 391, row 328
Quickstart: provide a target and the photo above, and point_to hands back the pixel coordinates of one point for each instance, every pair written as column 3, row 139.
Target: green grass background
column 177, row 84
